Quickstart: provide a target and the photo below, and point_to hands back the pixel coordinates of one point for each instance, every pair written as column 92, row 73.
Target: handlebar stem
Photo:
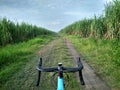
column 60, row 70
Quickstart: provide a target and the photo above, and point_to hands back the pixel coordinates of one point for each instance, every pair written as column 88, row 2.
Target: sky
column 51, row 14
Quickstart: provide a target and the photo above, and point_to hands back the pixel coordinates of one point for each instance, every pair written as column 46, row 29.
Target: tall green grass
column 98, row 40
column 14, row 57
column 107, row 25
column 14, row 33
column 103, row 56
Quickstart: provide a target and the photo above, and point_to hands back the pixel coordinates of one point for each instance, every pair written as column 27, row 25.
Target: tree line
column 14, row 33
column 106, row 25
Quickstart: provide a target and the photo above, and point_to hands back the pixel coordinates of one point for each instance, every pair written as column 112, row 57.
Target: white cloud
column 72, row 13
column 55, row 23
column 51, row 6
column 78, row 14
column 53, row 14
column 106, row 1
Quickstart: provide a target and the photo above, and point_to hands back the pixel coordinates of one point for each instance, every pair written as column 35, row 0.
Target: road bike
column 60, row 70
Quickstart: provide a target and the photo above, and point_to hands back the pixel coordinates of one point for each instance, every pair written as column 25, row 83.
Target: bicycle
column 60, row 70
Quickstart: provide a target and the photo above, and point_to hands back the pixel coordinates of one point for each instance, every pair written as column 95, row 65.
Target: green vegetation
column 53, row 53
column 56, row 54
column 98, row 41
column 103, row 55
column 14, row 33
column 18, row 43
column 14, row 57
column 105, row 26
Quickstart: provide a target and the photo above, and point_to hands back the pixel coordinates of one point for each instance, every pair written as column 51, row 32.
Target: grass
column 14, row 57
column 58, row 53
column 25, row 77
column 103, row 55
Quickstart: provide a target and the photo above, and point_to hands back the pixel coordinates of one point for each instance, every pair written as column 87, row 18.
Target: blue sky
column 51, row 14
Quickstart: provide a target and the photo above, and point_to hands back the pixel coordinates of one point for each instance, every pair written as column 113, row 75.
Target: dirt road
column 53, row 53
column 92, row 81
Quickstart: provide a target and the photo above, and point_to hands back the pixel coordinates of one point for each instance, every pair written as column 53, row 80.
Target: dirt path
column 53, row 53
column 58, row 53
column 92, row 81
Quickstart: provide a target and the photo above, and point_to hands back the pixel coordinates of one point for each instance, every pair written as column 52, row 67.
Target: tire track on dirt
column 92, row 81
